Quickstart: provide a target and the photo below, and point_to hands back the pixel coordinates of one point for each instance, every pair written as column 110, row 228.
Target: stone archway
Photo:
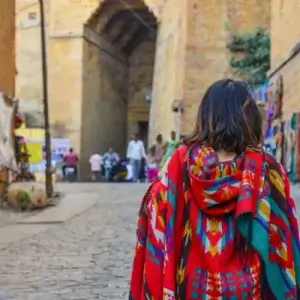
column 96, row 69
column 118, row 63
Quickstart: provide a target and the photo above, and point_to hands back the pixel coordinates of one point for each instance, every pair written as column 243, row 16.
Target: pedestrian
column 171, row 145
column 221, row 223
column 110, row 161
column 71, row 161
column 96, row 162
column 152, row 167
column 136, row 153
column 159, row 149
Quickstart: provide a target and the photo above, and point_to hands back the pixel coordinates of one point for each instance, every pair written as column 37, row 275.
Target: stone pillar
column 168, row 69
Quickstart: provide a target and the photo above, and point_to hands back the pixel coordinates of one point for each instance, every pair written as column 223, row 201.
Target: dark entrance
column 143, row 132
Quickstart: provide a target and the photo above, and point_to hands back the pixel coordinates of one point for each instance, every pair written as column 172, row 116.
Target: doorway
column 119, row 56
column 143, row 132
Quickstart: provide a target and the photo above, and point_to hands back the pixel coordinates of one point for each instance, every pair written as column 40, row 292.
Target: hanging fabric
column 7, row 154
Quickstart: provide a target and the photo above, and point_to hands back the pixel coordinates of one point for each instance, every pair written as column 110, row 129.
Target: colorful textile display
column 292, row 173
column 285, row 134
column 279, row 143
column 221, row 230
column 278, row 97
column 287, row 146
column 297, row 147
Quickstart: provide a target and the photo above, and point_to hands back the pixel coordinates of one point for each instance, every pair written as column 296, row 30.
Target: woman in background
column 169, row 148
column 159, row 149
column 152, row 168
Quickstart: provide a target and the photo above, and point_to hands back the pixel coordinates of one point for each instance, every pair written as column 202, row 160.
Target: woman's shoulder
column 275, row 172
column 177, row 156
column 181, row 150
column 271, row 163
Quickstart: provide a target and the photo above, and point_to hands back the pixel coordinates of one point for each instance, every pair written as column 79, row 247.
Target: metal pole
column 48, row 171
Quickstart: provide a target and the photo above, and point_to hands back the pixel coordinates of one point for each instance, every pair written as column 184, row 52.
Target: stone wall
column 81, row 10
column 104, row 107
column 7, row 46
column 285, row 34
column 141, row 79
column 291, row 79
column 65, row 87
column 168, row 69
column 209, row 28
column 28, row 52
column 285, row 29
column 29, row 87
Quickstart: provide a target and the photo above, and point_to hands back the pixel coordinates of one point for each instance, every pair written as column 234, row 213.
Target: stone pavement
column 88, row 257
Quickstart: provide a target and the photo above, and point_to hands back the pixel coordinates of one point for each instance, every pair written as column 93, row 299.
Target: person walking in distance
column 110, row 160
column 136, row 153
column 159, row 149
column 96, row 162
column 71, row 161
column 171, row 145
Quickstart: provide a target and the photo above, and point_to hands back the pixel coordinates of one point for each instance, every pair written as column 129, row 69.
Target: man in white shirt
column 135, row 153
column 96, row 162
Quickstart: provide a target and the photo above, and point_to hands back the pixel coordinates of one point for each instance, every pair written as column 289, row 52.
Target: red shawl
column 194, row 233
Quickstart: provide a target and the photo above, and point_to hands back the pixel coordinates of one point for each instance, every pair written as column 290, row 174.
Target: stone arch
column 105, row 8
column 118, row 63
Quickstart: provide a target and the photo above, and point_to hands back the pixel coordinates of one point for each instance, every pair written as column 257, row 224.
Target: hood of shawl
column 214, row 185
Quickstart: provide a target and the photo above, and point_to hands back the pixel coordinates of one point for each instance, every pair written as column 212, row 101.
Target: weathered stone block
column 27, row 195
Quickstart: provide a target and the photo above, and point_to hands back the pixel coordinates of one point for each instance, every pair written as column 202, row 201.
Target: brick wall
column 7, row 46
column 206, row 58
column 28, row 51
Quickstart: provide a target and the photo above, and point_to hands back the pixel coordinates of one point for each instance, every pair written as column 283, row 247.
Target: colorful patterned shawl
column 200, row 220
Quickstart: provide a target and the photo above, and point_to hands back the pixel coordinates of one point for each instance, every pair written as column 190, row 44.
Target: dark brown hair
column 228, row 118
column 159, row 138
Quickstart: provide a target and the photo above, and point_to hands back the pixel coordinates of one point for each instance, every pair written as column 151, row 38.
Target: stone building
column 285, row 53
column 106, row 56
column 7, row 47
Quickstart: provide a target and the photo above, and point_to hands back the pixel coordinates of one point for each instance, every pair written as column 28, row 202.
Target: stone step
column 69, row 207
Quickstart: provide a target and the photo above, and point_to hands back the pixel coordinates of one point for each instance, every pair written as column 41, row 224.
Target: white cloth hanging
column 7, row 154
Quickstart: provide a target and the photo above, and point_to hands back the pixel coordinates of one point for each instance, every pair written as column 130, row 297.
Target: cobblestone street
column 88, row 257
